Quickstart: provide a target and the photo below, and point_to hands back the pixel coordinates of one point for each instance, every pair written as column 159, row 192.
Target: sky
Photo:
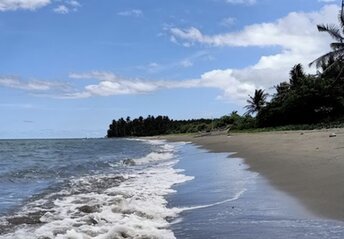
column 68, row 67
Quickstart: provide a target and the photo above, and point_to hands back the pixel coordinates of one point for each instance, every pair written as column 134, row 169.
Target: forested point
column 306, row 101
column 160, row 125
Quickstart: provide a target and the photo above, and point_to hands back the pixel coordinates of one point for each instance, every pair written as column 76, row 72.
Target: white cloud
column 296, row 35
column 153, row 65
column 186, row 63
column 32, row 86
column 67, row 7
column 246, row 2
column 327, row 1
column 61, row 9
column 228, row 22
column 73, row 3
column 12, row 5
column 110, row 85
column 64, row 7
column 231, row 87
column 131, row 13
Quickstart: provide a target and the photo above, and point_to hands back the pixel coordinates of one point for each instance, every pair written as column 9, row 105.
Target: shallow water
column 87, row 189
column 105, row 188
column 238, row 203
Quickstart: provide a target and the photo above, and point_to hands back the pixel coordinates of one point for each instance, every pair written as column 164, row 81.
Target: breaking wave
column 129, row 203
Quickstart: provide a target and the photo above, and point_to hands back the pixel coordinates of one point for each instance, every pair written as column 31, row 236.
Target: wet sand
column 308, row 165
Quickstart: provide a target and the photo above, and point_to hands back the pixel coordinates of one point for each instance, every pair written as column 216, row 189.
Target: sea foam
column 130, row 204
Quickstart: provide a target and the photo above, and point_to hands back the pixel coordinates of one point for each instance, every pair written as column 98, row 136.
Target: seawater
column 227, row 200
column 99, row 188
column 126, row 188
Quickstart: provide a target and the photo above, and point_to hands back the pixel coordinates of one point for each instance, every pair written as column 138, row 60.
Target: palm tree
column 337, row 53
column 296, row 75
column 257, row 102
column 282, row 91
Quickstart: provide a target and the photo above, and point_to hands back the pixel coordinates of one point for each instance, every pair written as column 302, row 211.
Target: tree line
column 160, row 125
column 151, row 126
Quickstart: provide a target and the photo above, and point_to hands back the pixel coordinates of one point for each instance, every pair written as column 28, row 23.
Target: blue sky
column 68, row 67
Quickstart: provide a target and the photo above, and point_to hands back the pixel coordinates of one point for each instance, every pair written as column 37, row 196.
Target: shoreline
column 308, row 165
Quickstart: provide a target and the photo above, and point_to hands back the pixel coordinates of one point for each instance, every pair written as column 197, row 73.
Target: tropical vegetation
column 159, row 125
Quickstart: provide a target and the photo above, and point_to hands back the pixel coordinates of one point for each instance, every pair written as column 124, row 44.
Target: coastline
column 307, row 165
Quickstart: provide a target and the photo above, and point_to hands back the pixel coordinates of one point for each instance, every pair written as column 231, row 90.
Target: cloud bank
column 12, row 5
column 64, row 7
column 109, row 84
column 295, row 35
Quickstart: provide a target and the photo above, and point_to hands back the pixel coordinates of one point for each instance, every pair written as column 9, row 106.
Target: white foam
column 164, row 153
column 154, row 157
column 134, row 207
column 236, row 197
column 149, row 141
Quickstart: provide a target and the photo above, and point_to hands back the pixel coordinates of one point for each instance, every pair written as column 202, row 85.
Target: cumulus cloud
column 67, row 7
column 109, row 84
column 296, row 35
column 186, row 63
column 12, row 5
column 131, row 13
column 73, row 3
column 64, row 7
column 228, row 22
column 61, row 9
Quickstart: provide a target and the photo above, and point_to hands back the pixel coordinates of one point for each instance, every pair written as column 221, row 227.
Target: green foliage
column 311, row 99
column 238, row 122
column 256, row 102
column 305, row 99
column 161, row 125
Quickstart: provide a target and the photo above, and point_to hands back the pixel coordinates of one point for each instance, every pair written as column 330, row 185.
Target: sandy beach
column 308, row 165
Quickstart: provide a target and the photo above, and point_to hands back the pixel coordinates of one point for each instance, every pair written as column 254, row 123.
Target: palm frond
column 331, row 29
column 324, row 58
column 330, row 67
column 256, row 102
column 337, row 45
column 341, row 16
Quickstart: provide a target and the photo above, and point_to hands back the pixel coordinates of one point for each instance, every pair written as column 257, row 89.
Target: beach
column 144, row 188
column 307, row 165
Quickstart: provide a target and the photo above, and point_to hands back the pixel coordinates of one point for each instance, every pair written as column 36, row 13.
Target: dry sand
column 308, row 165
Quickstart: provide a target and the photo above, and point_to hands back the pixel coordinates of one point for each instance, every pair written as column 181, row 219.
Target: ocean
column 133, row 188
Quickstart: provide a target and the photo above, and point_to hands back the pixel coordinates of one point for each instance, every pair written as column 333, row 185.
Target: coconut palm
column 256, row 102
column 297, row 75
column 336, row 55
